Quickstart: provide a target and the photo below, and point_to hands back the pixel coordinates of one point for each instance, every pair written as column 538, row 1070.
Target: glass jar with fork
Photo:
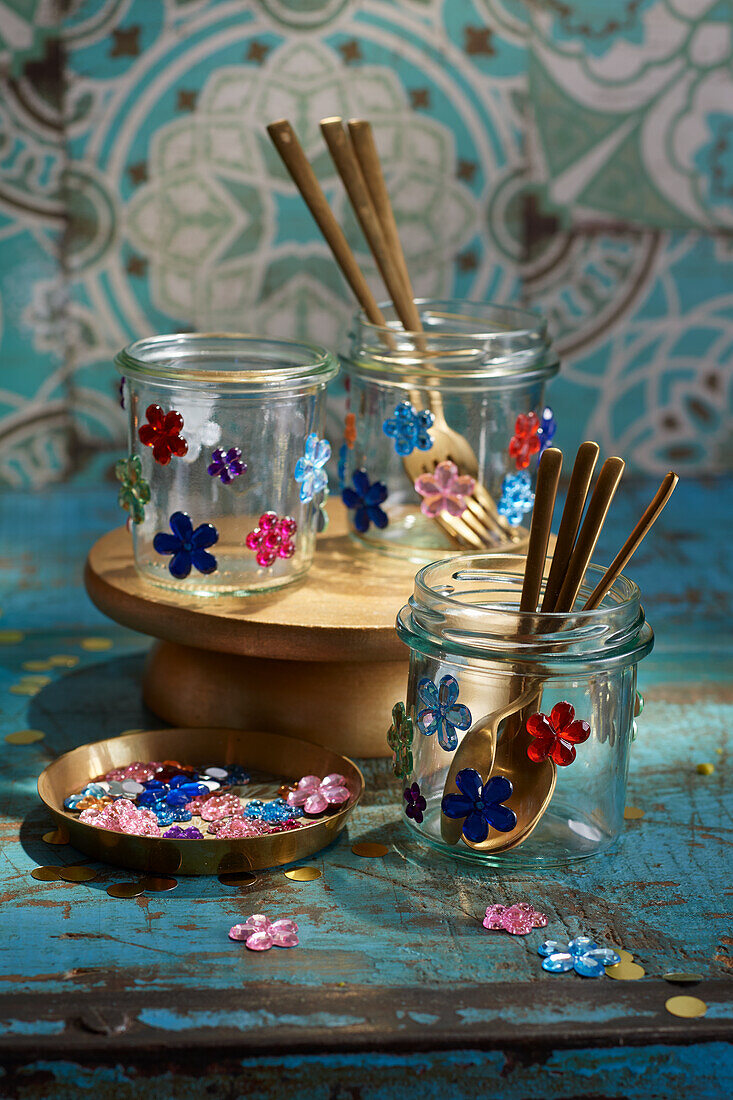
column 444, row 427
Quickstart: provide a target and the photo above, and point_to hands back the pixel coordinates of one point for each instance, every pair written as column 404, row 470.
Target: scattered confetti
column 96, row 645
column 24, row 737
column 517, row 919
column 626, row 971
column 77, row 874
column 622, row 953
column 46, row 874
column 158, row 885
column 686, row 1007
column 369, row 850
column 56, row 836
column 303, row 874
column 632, row 813
column 260, row 933
column 63, row 660
column 238, row 878
column 678, row 978
column 125, row 890
column 24, row 688
column 705, row 769
column 36, row 666
column 36, row 679
column 10, row 637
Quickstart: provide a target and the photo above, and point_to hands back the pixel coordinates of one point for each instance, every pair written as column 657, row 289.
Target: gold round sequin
column 369, row 850
column 626, row 971
column 96, row 645
column 686, row 1007
column 155, row 884
column 46, row 874
column 632, row 813
column 75, row 873
column 39, row 679
column 24, row 688
column 681, row 978
column 63, row 660
column 125, row 890
column 705, row 769
column 56, row 836
column 303, row 874
column 623, row 954
column 238, row 878
column 36, row 666
column 10, row 637
column 24, row 737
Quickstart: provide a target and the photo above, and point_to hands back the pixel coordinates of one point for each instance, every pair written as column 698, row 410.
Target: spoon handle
column 580, row 479
column 600, row 502
column 651, row 514
column 548, row 477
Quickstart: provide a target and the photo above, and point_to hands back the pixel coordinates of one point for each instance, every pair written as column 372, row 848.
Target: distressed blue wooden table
column 396, row 990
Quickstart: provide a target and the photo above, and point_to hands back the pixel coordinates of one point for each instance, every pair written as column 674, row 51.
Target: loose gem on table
column 163, row 434
column 442, row 711
column 480, row 806
column 555, row 735
column 187, row 547
column 273, row 538
column 309, row 470
column 517, row 919
column 445, row 490
column 318, row 796
column 364, row 500
column 260, row 934
column 581, row 954
column 409, row 429
column 226, row 465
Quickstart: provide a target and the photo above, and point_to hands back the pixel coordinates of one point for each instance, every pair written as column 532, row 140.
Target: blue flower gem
column 516, row 498
column 309, row 470
column 480, row 805
column 187, row 547
column 409, row 428
column 442, row 712
column 365, row 498
column 275, row 812
column 547, row 428
column 582, row 955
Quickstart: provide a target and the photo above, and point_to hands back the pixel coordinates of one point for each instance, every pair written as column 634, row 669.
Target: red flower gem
column 525, row 442
column 163, row 433
column 556, row 735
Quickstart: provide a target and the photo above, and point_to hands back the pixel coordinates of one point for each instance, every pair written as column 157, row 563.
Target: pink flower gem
column 445, row 490
column 517, row 919
column 316, row 795
column 122, row 816
column 232, row 828
column 260, row 933
column 220, row 806
column 272, row 538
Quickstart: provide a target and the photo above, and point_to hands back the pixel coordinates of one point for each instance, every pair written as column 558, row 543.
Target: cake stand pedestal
column 319, row 660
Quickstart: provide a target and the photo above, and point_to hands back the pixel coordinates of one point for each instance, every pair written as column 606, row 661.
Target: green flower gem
column 399, row 738
column 134, row 491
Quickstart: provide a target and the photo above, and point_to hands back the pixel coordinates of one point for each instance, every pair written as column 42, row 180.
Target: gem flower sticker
column 525, row 442
column 399, row 739
column 442, row 713
column 134, row 491
column 445, row 490
column 310, row 469
column 188, row 547
column 556, row 735
column 365, row 500
column 163, row 433
column 409, row 429
column 480, row 805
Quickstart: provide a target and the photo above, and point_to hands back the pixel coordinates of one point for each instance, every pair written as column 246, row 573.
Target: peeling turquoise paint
column 169, row 1020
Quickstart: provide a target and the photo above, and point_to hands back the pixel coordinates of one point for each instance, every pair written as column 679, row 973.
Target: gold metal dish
column 283, row 757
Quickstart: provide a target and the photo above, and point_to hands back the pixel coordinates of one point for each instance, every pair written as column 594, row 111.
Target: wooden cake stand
column 319, row 660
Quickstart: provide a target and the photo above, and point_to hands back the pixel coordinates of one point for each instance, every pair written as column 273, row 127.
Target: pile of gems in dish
column 179, row 801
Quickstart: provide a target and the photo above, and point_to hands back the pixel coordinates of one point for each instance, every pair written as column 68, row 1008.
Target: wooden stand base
column 319, row 660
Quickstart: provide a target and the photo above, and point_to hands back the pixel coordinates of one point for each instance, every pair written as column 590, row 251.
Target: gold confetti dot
column 369, row 850
column 623, row 954
column 626, row 971
column 24, row 688
column 36, row 666
column 10, row 637
column 56, row 836
column 687, row 1007
column 158, row 885
column 631, row 813
column 303, row 874
column 46, row 874
column 63, row 660
column 705, row 769
column 24, row 737
column 36, row 679
column 96, row 645
column 680, row 978
column 238, row 878
column 77, row 874
column 125, row 890
column 719, row 752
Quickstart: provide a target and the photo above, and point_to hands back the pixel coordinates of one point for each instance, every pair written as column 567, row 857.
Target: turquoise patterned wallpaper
column 574, row 155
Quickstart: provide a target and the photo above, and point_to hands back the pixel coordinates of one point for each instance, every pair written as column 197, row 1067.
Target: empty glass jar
column 225, row 477
column 513, row 744
column 444, row 428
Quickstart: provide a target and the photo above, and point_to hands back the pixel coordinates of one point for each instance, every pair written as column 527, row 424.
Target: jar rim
column 528, row 321
column 277, row 360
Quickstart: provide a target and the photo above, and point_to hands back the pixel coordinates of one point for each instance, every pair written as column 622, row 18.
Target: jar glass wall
column 541, row 706
column 451, row 394
column 217, row 425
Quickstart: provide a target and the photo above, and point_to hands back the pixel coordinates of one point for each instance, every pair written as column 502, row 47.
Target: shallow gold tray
column 267, row 752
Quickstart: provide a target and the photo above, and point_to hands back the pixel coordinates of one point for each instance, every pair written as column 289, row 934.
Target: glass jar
column 449, row 395
column 219, row 427
column 540, row 706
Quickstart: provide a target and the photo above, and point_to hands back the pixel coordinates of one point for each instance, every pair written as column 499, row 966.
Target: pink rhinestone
column 494, row 918
column 238, row 932
column 254, row 538
column 233, row 828
column 284, row 933
column 516, row 921
column 288, row 526
column 266, row 558
column 315, row 804
column 268, row 521
column 258, row 922
column 259, row 941
column 220, row 806
column 286, row 550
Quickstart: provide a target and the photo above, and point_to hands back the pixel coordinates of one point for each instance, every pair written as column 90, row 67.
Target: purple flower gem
column 177, row 833
column 416, row 804
column 226, row 465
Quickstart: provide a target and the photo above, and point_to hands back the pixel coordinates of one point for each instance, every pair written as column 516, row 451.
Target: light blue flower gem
column 582, row 955
column 309, row 470
column 516, row 497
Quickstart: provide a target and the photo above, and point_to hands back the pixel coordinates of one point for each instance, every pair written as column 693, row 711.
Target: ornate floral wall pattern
column 548, row 153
